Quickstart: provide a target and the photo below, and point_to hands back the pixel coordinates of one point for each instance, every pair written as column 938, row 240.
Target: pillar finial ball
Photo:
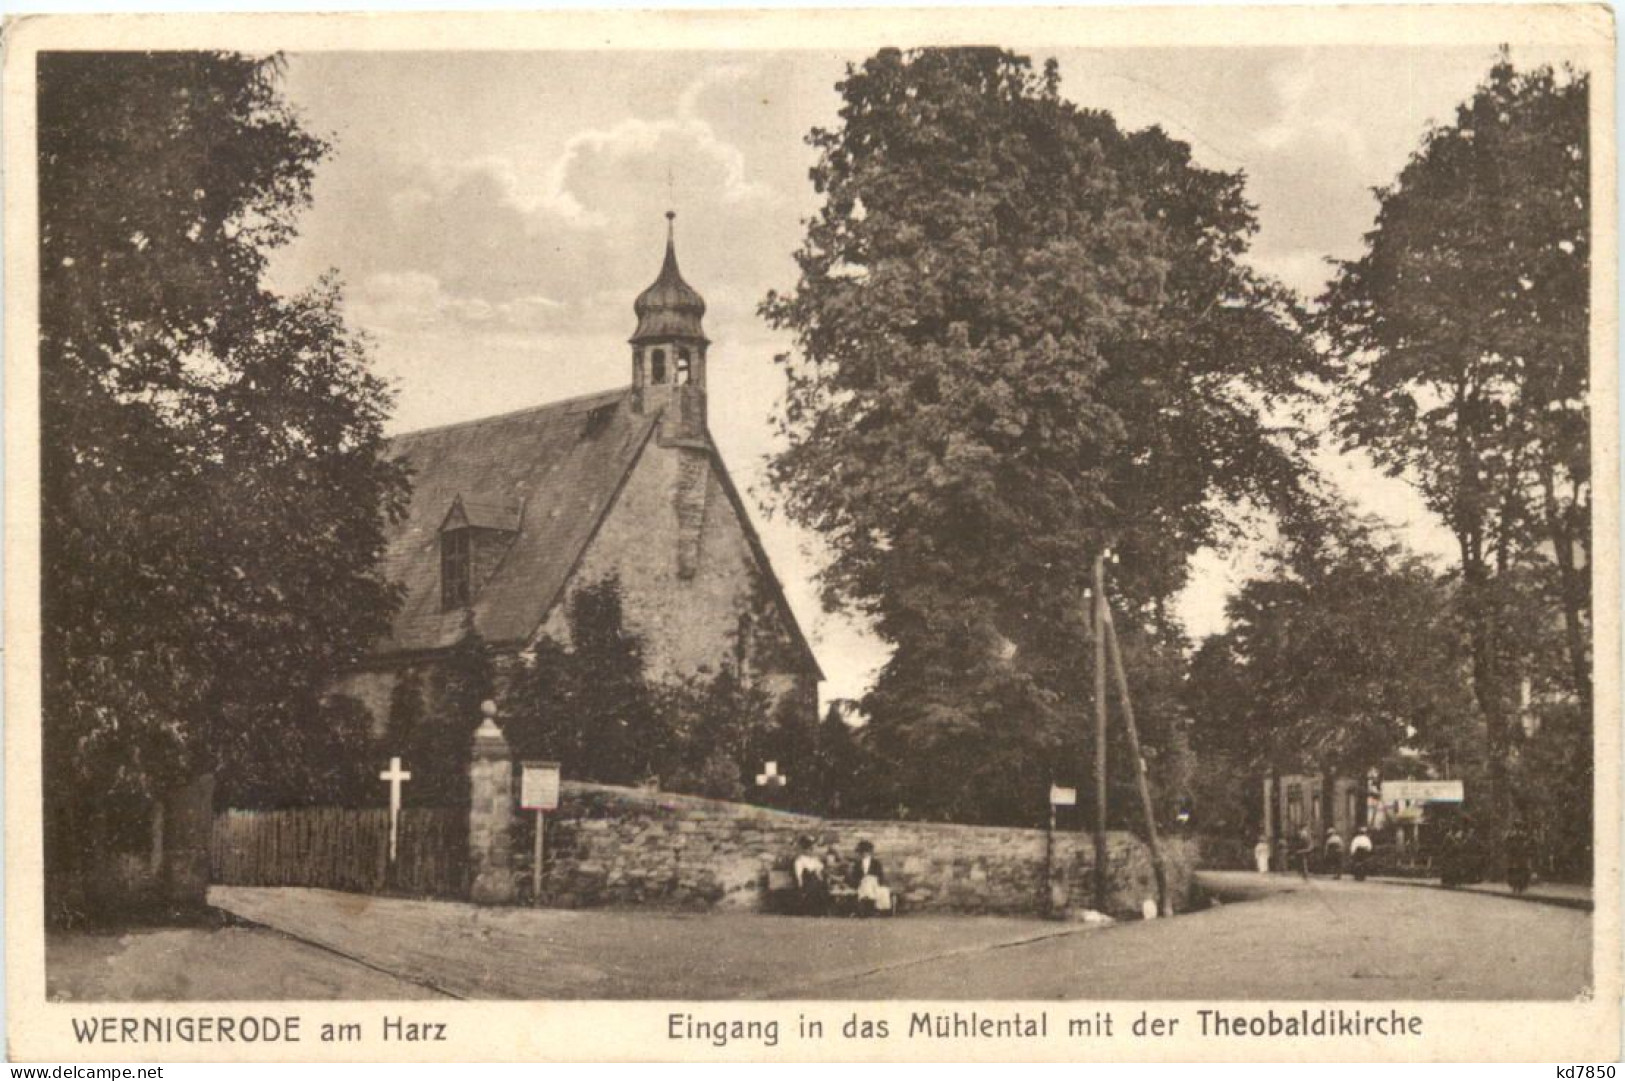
column 488, row 708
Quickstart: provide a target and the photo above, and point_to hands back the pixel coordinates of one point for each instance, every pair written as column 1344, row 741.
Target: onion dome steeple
column 669, row 310
column 668, row 350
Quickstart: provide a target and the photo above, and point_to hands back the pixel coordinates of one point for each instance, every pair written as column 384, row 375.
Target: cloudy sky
column 494, row 214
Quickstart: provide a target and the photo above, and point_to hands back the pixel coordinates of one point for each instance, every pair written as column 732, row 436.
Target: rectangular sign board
column 539, row 786
column 1403, row 792
column 1063, row 797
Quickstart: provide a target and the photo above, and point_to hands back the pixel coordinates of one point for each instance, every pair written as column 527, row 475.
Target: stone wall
column 609, row 845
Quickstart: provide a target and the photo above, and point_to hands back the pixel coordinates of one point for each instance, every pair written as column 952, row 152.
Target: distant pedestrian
column 1360, row 854
column 1520, row 857
column 1450, row 857
column 1334, row 852
column 1473, row 854
column 1304, row 852
column 1283, row 855
column 1261, row 855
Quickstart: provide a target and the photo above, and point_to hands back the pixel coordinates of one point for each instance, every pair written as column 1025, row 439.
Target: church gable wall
column 689, row 578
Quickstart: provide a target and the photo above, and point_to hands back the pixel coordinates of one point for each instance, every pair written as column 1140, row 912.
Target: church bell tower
column 668, row 350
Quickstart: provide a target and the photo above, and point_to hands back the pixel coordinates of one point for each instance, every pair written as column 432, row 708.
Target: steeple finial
column 669, row 308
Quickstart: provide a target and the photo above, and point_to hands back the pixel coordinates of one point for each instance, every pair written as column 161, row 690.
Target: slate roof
column 551, row 472
column 499, row 516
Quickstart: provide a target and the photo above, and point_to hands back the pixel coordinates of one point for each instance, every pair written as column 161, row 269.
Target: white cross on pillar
column 394, row 775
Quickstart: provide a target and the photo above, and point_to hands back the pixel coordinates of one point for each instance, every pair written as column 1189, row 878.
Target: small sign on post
column 1059, row 796
column 1404, row 801
column 539, row 792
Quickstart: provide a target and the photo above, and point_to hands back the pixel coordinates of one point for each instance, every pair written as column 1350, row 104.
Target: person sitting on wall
column 1360, row 854
column 868, row 877
column 812, row 891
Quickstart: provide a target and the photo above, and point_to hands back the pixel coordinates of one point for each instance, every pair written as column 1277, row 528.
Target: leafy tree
column 408, row 713
column 723, row 734
column 1345, row 651
column 213, row 499
column 842, row 772
column 439, row 755
column 589, row 703
column 1461, row 346
column 1553, row 783
column 1025, row 335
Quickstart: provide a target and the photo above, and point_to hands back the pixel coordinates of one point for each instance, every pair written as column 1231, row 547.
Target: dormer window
column 474, row 538
column 456, row 585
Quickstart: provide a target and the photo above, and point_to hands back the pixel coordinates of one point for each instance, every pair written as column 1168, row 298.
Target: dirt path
column 208, row 964
column 1319, row 940
column 471, row 951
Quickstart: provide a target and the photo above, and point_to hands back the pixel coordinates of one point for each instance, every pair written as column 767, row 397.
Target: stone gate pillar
column 490, row 813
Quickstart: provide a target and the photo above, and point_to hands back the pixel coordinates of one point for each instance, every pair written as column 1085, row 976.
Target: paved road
column 1321, row 941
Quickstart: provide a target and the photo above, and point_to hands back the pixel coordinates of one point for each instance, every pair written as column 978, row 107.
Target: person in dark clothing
column 1451, row 857
column 1472, row 855
column 868, row 877
column 1334, row 853
column 1304, row 852
column 1520, row 857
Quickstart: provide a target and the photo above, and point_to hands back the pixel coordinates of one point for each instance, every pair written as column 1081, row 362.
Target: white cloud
column 391, row 302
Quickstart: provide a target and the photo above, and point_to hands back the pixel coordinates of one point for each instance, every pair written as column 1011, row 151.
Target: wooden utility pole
column 1049, row 858
column 1098, row 624
column 1164, row 901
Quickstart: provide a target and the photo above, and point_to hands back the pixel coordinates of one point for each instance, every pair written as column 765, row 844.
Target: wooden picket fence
column 342, row 848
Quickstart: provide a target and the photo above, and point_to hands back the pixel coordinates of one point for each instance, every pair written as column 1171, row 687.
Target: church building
column 510, row 515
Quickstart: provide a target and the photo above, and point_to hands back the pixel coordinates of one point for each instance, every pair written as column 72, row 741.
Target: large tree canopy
column 213, row 499
column 1024, row 336
column 1343, row 652
column 1460, row 341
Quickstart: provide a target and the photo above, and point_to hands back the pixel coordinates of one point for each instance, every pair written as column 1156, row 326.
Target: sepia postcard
column 861, row 535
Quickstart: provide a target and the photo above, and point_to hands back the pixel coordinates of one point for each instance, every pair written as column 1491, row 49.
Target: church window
column 657, row 366
column 455, row 588
column 597, row 420
column 683, row 372
column 742, row 643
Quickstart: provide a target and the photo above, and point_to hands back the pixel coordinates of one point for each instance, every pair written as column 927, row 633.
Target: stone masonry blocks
column 490, row 817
